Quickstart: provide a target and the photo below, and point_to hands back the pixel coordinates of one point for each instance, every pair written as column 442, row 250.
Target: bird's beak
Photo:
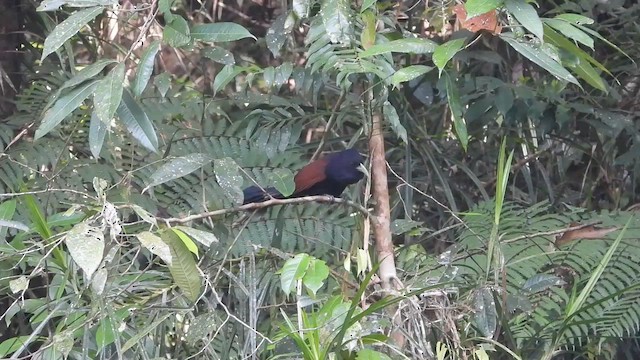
column 363, row 170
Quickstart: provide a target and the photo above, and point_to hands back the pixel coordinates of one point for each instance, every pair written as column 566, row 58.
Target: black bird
column 327, row 176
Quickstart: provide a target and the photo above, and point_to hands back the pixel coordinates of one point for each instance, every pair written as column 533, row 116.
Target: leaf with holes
column 64, row 106
column 157, row 247
column 229, row 178
column 177, row 168
column 86, row 246
column 69, row 27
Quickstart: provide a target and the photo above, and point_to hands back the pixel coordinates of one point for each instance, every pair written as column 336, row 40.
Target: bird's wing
column 310, row 175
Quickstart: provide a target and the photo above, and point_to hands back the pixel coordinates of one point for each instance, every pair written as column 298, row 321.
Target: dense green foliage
column 131, row 128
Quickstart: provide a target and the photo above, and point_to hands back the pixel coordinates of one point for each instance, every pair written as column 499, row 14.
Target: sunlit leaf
column 157, row 247
column 292, row 271
column 316, row 274
column 186, row 240
column 203, row 237
column 282, row 180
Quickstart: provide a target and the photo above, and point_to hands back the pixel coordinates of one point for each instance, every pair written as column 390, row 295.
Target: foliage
column 124, row 160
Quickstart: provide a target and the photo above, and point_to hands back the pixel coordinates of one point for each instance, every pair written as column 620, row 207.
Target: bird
column 329, row 175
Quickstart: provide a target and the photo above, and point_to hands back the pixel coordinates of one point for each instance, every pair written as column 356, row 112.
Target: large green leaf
column 219, row 55
column 526, row 15
column 337, row 20
column 97, row 132
column 282, row 180
column 220, row 32
column 176, row 33
column 69, row 27
column 478, row 7
column 108, row 94
column 183, row 267
column 178, row 167
column 145, row 68
column 535, row 54
column 229, row 178
column 64, row 106
column 455, row 105
column 86, row 246
column 445, row 52
column 292, row 271
column 137, row 122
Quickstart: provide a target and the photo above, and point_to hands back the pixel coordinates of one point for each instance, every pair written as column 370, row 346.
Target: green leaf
column 7, row 210
column 366, row 4
column 219, row 55
column 478, row 7
column 86, row 246
column 145, row 68
column 183, row 268
column 12, row 345
column 453, row 98
column 162, row 83
column 541, row 282
column 336, row 17
column 535, row 54
column 526, row 15
column 51, row 5
column 164, row 6
column 229, row 178
column 292, row 271
column 407, row 46
column 391, row 115
column 486, row 316
column 277, row 34
column 108, row 94
column 63, row 107
column 409, row 73
column 157, row 247
column 226, row 74
column 97, row 132
column 220, row 32
column 177, row 168
column 66, row 29
column 282, row 180
column 87, row 73
column 282, row 73
column 588, row 73
column 570, row 31
column 575, row 19
column 317, row 272
column 203, row 237
column 504, row 99
column 445, row 52
column 301, row 8
column 368, row 35
column 186, row 240
column 176, row 33
column 370, row 354
column 137, row 122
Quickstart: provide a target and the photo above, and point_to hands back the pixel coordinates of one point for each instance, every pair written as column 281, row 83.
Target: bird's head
column 345, row 167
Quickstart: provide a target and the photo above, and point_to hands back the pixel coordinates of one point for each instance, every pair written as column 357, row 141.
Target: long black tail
column 254, row 194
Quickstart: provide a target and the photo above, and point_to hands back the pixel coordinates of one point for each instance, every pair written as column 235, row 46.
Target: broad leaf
column 477, row 7
column 455, row 105
column 51, row 5
column 176, row 33
column 391, row 115
column 162, row 83
column 292, row 271
column 225, row 75
column 445, row 52
column 183, row 267
column 541, row 282
column 186, row 240
column 570, row 31
column 177, row 168
column 316, row 274
column 486, row 316
column 277, row 34
column 137, row 122
column 145, row 68
column 337, row 20
column 86, row 246
column 229, row 178
column 69, row 27
column 535, row 54
column 203, row 237
column 219, row 55
column 282, row 180
column 409, row 73
column 220, row 32
column 7, row 209
column 526, row 15
column 157, row 247
column 64, row 106
column 87, row 73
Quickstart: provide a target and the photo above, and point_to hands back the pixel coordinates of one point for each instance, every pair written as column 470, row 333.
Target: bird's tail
column 254, row 194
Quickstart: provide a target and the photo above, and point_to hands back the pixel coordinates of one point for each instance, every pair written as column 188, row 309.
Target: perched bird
column 327, row 176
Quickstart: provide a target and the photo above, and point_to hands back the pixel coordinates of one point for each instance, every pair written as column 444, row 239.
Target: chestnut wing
column 310, row 175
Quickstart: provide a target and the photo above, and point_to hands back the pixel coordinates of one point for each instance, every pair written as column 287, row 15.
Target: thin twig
column 329, row 125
